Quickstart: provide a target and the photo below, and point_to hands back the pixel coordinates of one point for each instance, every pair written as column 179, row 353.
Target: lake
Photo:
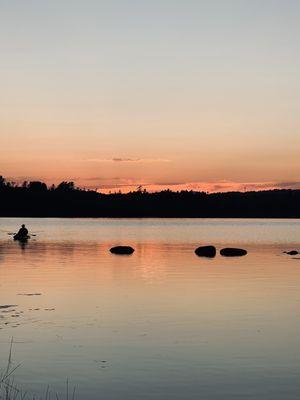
column 159, row 324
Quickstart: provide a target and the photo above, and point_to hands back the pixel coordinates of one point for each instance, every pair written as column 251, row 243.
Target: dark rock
column 206, row 251
column 233, row 252
column 292, row 252
column 122, row 250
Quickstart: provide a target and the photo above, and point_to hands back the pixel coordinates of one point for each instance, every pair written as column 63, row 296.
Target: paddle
column 12, row 234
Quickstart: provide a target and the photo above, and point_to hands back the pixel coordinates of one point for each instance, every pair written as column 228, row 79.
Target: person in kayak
column 23, row 232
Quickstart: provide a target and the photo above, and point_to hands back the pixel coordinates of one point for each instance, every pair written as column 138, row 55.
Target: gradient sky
column 112, row 94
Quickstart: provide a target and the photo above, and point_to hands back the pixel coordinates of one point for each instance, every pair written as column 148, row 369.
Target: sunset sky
column 179, row 94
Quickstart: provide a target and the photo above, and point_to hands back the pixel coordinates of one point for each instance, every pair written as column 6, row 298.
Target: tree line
column 36, row 199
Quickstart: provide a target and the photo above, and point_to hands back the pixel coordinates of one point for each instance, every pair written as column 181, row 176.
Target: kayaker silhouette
column 23, row 232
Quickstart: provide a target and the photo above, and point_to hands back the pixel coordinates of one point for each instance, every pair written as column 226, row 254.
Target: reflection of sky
column 177, row 92
column 159, row 323
column 137, row 231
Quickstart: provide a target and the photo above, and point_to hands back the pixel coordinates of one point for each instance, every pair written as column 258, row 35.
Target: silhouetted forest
column 35, row 199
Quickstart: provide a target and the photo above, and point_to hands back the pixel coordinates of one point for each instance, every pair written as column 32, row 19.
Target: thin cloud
column 168, row 183
column 210, row 187
column 98, row 178
column 119, row 159
column 127, row 160
column 288, row 185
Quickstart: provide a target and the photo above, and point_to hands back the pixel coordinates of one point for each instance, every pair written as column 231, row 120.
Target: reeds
column 10, row 391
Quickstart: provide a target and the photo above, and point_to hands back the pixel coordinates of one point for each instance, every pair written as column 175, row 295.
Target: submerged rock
column 292, row 252
column 206, row 251
column 233, row 252
column 122, row 250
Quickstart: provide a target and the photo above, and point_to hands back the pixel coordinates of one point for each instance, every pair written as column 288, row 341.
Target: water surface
column 160, row 324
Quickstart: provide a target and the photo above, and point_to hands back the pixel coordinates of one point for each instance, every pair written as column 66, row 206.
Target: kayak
column 21, row 238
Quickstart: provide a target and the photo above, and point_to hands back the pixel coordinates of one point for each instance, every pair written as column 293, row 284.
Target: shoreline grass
column 9, row 390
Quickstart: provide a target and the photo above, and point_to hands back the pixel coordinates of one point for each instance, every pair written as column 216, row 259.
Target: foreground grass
column 9, row 389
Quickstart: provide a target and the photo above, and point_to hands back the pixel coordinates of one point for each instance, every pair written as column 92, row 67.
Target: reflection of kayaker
column 23, row 234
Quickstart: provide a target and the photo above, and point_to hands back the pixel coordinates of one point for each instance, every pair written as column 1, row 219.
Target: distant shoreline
column 36, row 200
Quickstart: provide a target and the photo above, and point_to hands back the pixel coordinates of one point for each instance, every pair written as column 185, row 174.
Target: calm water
column 160, row 324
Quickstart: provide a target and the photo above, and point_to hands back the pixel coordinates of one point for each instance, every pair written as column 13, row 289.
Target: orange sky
column 163, row 94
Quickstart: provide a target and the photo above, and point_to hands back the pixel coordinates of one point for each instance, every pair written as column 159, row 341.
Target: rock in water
column 292, row 252
column 233, row 252
column 122, row 250
column 206, row 251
